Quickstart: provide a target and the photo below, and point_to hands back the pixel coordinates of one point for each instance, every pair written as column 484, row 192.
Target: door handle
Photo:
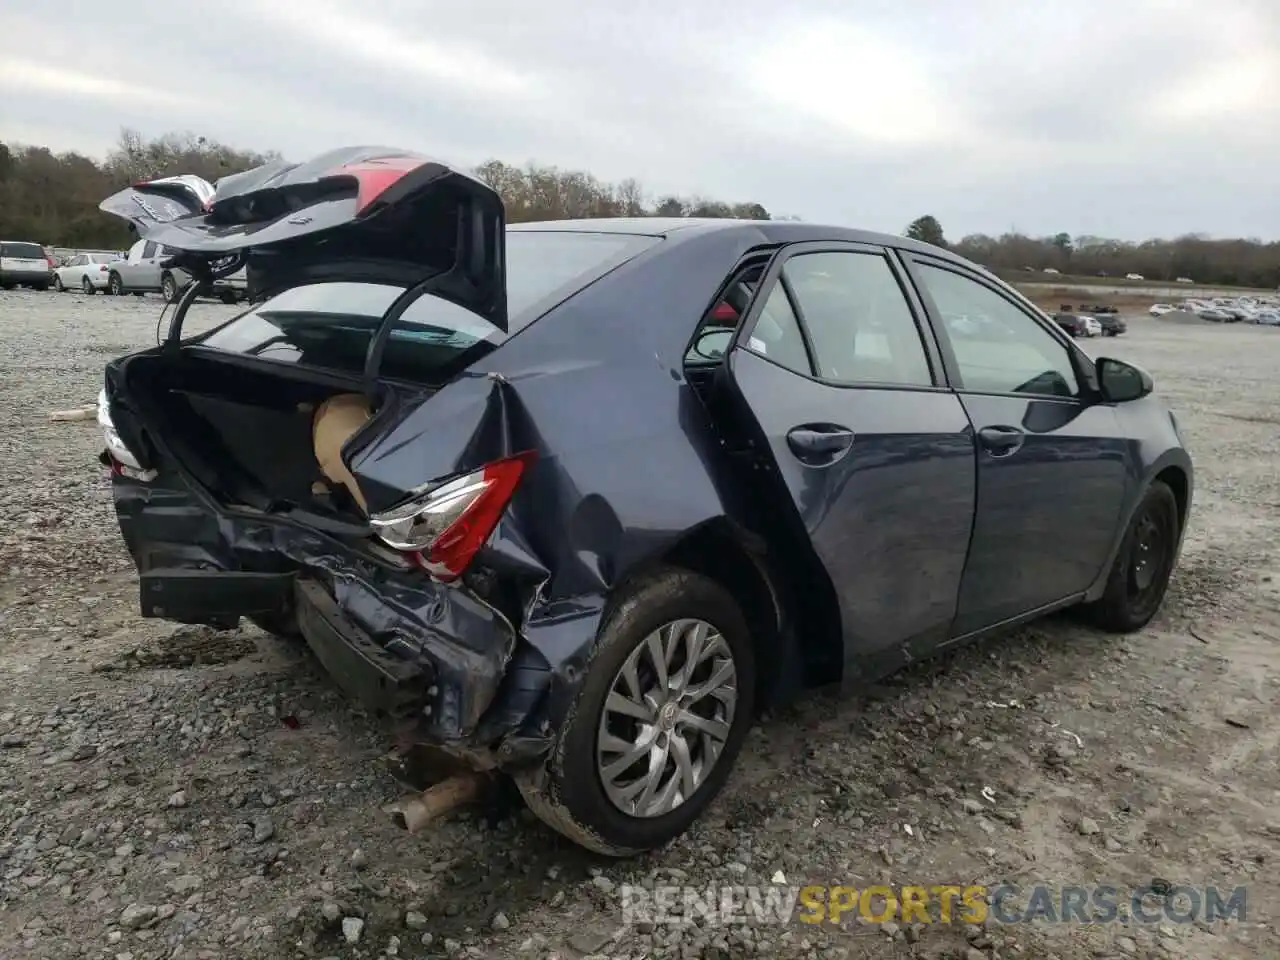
column 1001, row 441
column 816, row 444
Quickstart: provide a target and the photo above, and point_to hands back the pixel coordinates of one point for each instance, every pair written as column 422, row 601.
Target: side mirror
column 712, row 343
column 1121, row 382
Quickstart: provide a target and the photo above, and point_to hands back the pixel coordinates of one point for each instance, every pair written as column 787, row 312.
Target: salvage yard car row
column 1260, row 310
column 145, row 267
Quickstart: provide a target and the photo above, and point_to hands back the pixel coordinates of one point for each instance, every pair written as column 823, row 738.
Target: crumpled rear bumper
column 429, row 657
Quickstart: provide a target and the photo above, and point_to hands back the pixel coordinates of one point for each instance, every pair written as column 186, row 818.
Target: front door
column 1052, row 472
column 877, row 455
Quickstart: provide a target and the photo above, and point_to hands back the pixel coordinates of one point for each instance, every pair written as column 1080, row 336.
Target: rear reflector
column 444, row 528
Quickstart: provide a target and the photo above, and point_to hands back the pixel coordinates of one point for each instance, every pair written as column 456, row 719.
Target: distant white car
column 1050, row 270
column 1092, row 328
column 85, row 271
column 1160, row 309
column 1184, row 280
column 1134, row 276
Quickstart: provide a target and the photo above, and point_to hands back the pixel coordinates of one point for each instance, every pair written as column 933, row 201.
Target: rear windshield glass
column 330, row 324
column 100, row 258
column 22, row 251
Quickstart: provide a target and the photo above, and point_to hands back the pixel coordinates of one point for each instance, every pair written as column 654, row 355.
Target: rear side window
column 777, row 335
column 858, row 319
column 149, row 250
column 330, row 325
column 22, row 251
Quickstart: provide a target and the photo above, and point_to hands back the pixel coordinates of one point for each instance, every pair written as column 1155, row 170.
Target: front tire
column 114, row 286
column 1140, row 575
column 168, row 288
column 57, row 284
column 85, row 284
column 654, row 730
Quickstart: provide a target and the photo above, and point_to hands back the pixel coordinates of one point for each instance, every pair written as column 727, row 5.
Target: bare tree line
column 1194, row 256
column 53, row 199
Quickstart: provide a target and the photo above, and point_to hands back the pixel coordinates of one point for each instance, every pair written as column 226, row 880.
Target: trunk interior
column 248, row 435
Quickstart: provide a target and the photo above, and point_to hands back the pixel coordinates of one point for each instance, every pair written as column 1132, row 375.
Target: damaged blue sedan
column 572, row 501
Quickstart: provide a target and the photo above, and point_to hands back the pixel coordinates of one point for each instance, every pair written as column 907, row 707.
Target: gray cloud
column 1151, row 117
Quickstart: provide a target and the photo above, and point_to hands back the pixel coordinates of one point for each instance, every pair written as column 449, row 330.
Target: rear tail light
column 123, row 461
column 102, row 269
column 445, row 527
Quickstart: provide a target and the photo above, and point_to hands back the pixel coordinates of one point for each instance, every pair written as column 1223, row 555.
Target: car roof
column 770, row 231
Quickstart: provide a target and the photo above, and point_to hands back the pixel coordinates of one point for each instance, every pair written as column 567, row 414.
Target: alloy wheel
column 666, row 719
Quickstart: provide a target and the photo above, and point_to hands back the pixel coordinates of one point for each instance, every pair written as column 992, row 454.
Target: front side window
column 858, row 319
column 999, row 347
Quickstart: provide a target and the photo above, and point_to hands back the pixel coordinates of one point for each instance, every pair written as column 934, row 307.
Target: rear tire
column 168, row 288
column 670, row 611
column 229, row 297
column 57, row 283
column 85, row 284
column 114, row 286
column 1140, row 575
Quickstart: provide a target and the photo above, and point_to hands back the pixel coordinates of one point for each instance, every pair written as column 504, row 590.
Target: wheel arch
column 738, row 561
column 1173, row 468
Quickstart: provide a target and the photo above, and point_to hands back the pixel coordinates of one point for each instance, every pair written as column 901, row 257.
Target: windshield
column 331, row 324
column 22, row 251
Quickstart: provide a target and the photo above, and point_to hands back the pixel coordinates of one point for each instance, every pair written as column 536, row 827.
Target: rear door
column 1052, row 474
column 73, row 271
column 128, row 268
column 147, row 273
column 845, row 382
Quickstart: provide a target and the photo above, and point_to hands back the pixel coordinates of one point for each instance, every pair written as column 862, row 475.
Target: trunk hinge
column 203, row 275
column 378, row 345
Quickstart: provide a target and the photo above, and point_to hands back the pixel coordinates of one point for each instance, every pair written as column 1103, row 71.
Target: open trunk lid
column 373, row 214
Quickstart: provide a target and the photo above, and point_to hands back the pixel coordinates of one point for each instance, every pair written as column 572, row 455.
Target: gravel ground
column 172, row 792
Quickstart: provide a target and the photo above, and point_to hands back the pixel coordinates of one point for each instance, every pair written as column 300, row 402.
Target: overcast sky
column 1126, row 118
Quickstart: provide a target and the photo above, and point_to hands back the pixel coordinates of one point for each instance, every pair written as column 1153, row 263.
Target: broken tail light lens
column 123, row 460
column 445, row 527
